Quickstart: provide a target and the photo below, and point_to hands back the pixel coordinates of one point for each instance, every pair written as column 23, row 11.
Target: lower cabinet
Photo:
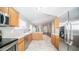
column 29, row 37
column 20, row 44
column 55, row 40
column 26, row 42
column 37, row 35
column 23, row 43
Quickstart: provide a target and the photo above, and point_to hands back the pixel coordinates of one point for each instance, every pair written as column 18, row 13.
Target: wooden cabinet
column 13, row 14
column 29, row 37
column 24, row 42
column 55, row 36
column 55, row 40
column 20, row 44
column 14, row 17
column 56, row 22
column 37, row 35
column 4, row 9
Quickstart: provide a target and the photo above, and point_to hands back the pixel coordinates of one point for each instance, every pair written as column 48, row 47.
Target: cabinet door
column 30, row 37
column 14, row 17
column 21, row 44
column 4, row 9
column 56, row 22
column 53, row 39
column 57, row 39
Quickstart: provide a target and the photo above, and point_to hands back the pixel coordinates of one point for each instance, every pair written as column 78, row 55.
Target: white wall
column 22, row 24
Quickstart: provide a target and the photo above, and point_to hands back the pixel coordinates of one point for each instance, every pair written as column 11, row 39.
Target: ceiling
column 41, row 15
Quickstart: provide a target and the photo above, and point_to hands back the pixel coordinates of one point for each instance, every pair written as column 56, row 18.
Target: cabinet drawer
column 29, row 37
column 56, row 22
column 20, row 40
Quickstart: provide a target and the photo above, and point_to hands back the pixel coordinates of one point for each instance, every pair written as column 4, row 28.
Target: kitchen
column 37, row 28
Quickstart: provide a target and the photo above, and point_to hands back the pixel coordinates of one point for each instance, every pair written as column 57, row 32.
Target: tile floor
column 41, row 45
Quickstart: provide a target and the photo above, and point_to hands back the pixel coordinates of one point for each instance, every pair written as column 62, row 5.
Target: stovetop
column 6, row 41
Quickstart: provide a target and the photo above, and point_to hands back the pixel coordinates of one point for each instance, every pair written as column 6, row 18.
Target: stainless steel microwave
column 4, row 19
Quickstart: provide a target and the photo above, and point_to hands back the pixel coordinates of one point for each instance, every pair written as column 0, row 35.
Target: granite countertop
column 17, row 35
column 22, row 35
column 12, row 38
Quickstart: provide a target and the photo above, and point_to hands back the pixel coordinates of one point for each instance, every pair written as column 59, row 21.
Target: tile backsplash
column 8, row 31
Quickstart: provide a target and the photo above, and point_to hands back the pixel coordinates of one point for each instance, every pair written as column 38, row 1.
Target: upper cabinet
column 56, row 22
column 14, row 17
column 4, row 9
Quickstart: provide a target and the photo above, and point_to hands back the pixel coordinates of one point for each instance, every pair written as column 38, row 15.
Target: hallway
column 41, row 45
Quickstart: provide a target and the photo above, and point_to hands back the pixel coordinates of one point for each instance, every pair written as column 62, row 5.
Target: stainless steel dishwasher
column 26, row 40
